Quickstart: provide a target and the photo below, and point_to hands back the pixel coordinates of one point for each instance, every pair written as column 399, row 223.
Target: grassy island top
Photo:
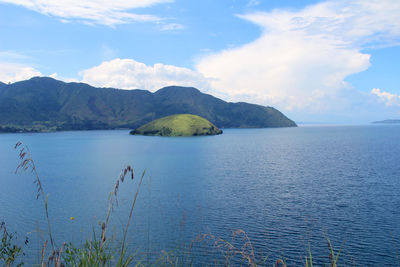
column 178, row 125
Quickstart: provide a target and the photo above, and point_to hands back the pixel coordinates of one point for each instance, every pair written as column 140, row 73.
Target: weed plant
column 10, row 252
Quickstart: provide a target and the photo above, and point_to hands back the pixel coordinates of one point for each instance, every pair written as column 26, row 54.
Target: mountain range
column 46, row 104
column 388, row 121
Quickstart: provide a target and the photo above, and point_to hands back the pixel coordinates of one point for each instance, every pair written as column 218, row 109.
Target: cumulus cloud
column 130, row 74
column 92, row 11
column 302, row 57
column 387, row 98
column 14, row 72
column 62, row 78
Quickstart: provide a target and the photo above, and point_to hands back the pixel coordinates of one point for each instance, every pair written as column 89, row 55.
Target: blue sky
column 317, row 61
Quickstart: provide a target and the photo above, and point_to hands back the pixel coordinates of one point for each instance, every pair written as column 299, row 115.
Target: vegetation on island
column 178, row 125
column 44, row 104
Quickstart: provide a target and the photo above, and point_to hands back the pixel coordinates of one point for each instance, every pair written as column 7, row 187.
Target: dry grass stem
column 26, row 164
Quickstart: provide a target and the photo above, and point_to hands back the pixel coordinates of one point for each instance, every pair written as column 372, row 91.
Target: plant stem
column 130, row 216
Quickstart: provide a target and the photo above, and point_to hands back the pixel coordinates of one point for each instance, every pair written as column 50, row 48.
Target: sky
column 316, row 61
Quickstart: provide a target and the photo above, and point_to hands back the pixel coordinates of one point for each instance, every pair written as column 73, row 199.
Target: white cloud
column 61, row 78
column 388, row 99
column 92, row 11
column 13, row 72
column 130, row 74
column 302, row 58
column 253, row 3
column 171, row 27
column 12, row 56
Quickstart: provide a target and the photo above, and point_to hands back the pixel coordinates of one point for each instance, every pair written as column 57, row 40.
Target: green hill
column 178, row 125
column 46, row 104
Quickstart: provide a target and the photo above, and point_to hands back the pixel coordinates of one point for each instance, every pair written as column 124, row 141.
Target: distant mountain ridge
column 388, row 121
column 46, row 104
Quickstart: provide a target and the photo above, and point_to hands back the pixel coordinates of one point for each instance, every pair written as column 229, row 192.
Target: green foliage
column 45, row 104
column 333, row 259
column 90, row 254
column 309, row 258
column 179, row 125
column 175, row 258
column 95, row 253
column 10, row 252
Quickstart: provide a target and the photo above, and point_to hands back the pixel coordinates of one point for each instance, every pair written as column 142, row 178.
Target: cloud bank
column 117, row 73
column 387, row 98
column 92, row 11
column 302, row 57
column 14, row 72
column 130, row 74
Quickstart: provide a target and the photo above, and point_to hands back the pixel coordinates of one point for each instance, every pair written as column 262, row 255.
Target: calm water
column 286, row 188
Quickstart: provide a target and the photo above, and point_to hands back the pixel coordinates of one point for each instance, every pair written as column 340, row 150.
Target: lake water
column 287, row 188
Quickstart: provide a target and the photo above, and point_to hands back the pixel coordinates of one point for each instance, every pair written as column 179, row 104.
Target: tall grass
column 27, row 164
column 94, row 252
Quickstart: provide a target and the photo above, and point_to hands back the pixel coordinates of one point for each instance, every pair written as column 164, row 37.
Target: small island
column 178, row 125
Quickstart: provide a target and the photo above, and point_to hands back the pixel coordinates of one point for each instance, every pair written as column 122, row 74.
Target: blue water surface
column 288, row 189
